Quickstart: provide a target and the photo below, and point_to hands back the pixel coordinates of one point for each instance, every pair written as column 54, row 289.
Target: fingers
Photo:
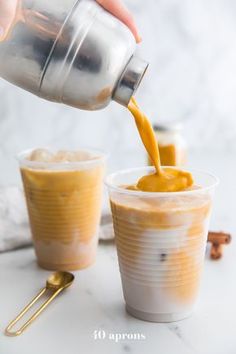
column 7, row 15
column 118, row 9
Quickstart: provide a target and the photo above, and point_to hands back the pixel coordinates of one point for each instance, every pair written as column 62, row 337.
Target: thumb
column 118, row 9
column 7, row 15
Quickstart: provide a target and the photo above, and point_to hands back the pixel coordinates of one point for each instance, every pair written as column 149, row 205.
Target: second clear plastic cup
column 64, row 207
column 161, row 241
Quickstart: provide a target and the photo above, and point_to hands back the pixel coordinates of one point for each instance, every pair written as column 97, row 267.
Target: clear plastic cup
column 64, row 207
column 161, row 241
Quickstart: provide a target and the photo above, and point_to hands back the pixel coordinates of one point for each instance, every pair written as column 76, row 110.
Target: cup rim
column 111, row 186
column 99, row 156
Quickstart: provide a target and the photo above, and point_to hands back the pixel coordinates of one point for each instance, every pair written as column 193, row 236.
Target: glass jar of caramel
column 172, row 145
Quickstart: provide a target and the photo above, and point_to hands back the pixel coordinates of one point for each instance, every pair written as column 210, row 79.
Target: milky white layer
column 72, row 255
column 140, row 291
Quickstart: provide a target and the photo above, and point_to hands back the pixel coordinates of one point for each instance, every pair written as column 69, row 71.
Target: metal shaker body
column 73, row 52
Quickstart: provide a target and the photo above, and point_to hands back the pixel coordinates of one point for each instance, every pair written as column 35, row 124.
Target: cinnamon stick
column 218, row 239
column 216, row 251
column 221, row 238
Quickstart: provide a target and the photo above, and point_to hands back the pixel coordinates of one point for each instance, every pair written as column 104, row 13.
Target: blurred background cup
column 64, row 206
column 161, row 241
column 171, row 143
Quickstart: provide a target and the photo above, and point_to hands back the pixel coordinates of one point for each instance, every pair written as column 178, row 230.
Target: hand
column 118, row 9
column 7, row 15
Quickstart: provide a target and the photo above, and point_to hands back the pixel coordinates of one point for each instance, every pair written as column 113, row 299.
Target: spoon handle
column 8, row 331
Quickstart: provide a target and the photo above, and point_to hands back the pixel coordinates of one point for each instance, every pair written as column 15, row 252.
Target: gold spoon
column 56, row 283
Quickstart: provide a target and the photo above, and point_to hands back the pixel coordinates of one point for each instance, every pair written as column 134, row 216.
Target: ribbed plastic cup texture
column 161, row 241
column 64, row 207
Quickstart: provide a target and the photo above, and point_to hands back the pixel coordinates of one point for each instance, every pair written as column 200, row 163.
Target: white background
column 191, row 47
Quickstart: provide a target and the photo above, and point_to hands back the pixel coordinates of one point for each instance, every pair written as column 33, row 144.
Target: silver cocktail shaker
column 73, row 52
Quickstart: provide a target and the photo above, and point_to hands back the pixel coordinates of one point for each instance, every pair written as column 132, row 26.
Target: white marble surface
column 95, row 300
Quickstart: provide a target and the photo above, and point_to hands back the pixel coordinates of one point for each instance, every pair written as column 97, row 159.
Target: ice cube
column 82, row 156
column 63, row 156
column 41, row 155
column 71, row 156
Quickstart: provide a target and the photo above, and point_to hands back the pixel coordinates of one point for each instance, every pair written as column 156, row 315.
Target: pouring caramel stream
column 164, row 179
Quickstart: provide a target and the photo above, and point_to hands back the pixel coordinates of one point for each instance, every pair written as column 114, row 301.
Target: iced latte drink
column 63, row 193
column 161, row 240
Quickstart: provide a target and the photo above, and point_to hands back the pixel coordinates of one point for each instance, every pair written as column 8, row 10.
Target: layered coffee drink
column 161, row 241
column 63, row 192
column 160, row 216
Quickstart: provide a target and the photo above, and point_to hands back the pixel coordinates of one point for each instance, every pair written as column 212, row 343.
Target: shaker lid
column 130, row 80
